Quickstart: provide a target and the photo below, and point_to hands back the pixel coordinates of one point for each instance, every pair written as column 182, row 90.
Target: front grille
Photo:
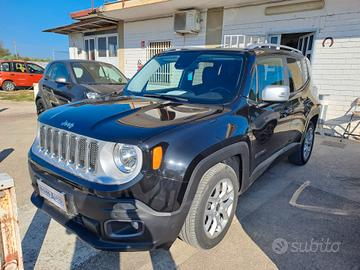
column 69, row 148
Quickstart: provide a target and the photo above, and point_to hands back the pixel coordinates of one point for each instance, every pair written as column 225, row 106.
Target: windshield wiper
column 167, row 97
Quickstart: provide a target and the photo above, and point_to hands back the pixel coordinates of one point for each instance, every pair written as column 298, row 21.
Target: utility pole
column 15, row 50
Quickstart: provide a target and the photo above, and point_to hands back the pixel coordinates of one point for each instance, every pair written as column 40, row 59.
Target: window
column 305, row 68
column 35, row 69
column 163, row 74
column 112, row 46
column 90, row 48
column 193, row 76
column 97, row 73
column 102, row 47
column 253, row 86
column 58, row 70
column 19, row 67
column 270, row 72
column 296, row 79
column 5, row 67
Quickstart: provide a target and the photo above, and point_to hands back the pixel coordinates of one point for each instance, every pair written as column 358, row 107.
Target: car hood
column 104, row 88
column 126, row 119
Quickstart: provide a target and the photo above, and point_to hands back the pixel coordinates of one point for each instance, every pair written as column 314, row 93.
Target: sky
column 22, row 22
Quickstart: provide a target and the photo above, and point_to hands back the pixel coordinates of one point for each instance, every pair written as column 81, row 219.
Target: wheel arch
column 8, row 80
column 239, row 151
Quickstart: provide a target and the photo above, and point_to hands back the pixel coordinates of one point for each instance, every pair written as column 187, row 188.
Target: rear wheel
column 302, row 154
column 8, row 86
column 213, row 207
column 40, row 106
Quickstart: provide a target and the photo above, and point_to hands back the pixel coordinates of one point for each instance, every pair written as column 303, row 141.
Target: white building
column 128, row 33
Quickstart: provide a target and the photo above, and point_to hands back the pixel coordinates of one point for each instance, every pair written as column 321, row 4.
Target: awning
column 89, row 24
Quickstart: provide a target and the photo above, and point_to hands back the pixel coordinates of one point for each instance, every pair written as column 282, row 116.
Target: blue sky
column 22, row 21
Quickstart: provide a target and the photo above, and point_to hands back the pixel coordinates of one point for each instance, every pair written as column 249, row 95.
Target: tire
column 8, row 86
column 40, row 106
column 302, row 155
column 207, row 207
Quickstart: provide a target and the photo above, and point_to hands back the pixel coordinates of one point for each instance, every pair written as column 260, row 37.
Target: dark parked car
column 192, row 130
column 74, row 80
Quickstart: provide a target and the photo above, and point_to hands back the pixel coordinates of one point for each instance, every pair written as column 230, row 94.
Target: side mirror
column 62, row 80
column 276, row 93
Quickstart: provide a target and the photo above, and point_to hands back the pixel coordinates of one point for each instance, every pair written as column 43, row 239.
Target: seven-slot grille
column 70, row 148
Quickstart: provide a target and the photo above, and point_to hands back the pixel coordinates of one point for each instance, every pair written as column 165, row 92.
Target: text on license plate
column 55, row 197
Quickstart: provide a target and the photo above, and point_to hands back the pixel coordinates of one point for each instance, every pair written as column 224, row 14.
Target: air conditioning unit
column 187, row 22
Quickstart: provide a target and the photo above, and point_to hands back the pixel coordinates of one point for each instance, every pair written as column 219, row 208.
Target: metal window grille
column 241, row 41
column 162, row 75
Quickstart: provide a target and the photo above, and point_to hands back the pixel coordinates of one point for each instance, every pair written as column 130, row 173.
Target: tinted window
column 102, row 47
column 193, row 76
column 296, row 79
column 35, row 69
column 270, row 72
column 19, row 67
column 305, row 69
column 253, row 86
column 58, row 70
column 97, row 73
column 5, row 67
column 112, row 44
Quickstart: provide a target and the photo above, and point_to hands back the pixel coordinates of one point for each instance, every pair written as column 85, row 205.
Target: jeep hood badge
column 67, row 124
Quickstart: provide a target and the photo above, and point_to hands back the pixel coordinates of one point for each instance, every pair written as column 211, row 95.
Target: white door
column 107, row 49
column 306, row 44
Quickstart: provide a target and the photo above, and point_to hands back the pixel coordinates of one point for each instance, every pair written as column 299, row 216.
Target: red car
column 16, row 73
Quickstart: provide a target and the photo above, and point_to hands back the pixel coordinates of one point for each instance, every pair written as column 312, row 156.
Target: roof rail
column 276, row 46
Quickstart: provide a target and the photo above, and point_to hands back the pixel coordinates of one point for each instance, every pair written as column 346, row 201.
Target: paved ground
column 291, row 218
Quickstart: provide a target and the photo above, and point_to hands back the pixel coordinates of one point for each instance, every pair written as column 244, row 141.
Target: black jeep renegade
column 168, row 158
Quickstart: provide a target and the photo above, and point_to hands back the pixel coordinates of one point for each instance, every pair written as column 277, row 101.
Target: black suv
column 68, row 81
column 168, row 159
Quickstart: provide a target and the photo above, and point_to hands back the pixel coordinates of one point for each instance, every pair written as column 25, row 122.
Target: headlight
column 92, row 95
column 126, row 157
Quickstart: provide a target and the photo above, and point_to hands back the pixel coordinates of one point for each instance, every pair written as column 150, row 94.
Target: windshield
column 192, row 76
column 97, row 73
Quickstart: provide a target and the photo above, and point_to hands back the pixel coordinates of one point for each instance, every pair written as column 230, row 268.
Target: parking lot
column 291, row 218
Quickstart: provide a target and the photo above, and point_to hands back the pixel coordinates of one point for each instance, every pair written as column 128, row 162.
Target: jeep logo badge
column 67, row 124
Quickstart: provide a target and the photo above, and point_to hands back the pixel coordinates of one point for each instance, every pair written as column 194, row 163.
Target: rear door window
column 19, row 67
column 270, row 72
column 5, row 67
column 296, row 78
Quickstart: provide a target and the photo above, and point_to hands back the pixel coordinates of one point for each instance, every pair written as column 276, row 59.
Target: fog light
column 121, row 229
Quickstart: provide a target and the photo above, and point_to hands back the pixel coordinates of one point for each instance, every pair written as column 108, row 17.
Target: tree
column 3, row 51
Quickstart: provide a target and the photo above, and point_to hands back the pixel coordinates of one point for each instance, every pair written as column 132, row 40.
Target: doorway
column 303, row 41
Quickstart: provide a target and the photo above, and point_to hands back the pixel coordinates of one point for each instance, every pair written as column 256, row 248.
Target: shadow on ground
column 34, row 238
column 5, row 153
column 296, row 238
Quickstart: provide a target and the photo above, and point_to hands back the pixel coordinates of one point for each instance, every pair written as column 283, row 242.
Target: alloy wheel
column 218, row 208
column 308, row 143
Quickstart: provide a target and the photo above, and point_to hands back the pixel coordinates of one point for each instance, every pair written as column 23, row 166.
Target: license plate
column 53, row 196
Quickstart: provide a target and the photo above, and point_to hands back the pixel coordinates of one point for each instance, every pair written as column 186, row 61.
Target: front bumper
column 88, row 216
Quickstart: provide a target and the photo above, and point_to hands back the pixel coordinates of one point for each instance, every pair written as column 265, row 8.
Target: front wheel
column 302, row 154
column 8, row 86
column 40, row 106
column 213, row 208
